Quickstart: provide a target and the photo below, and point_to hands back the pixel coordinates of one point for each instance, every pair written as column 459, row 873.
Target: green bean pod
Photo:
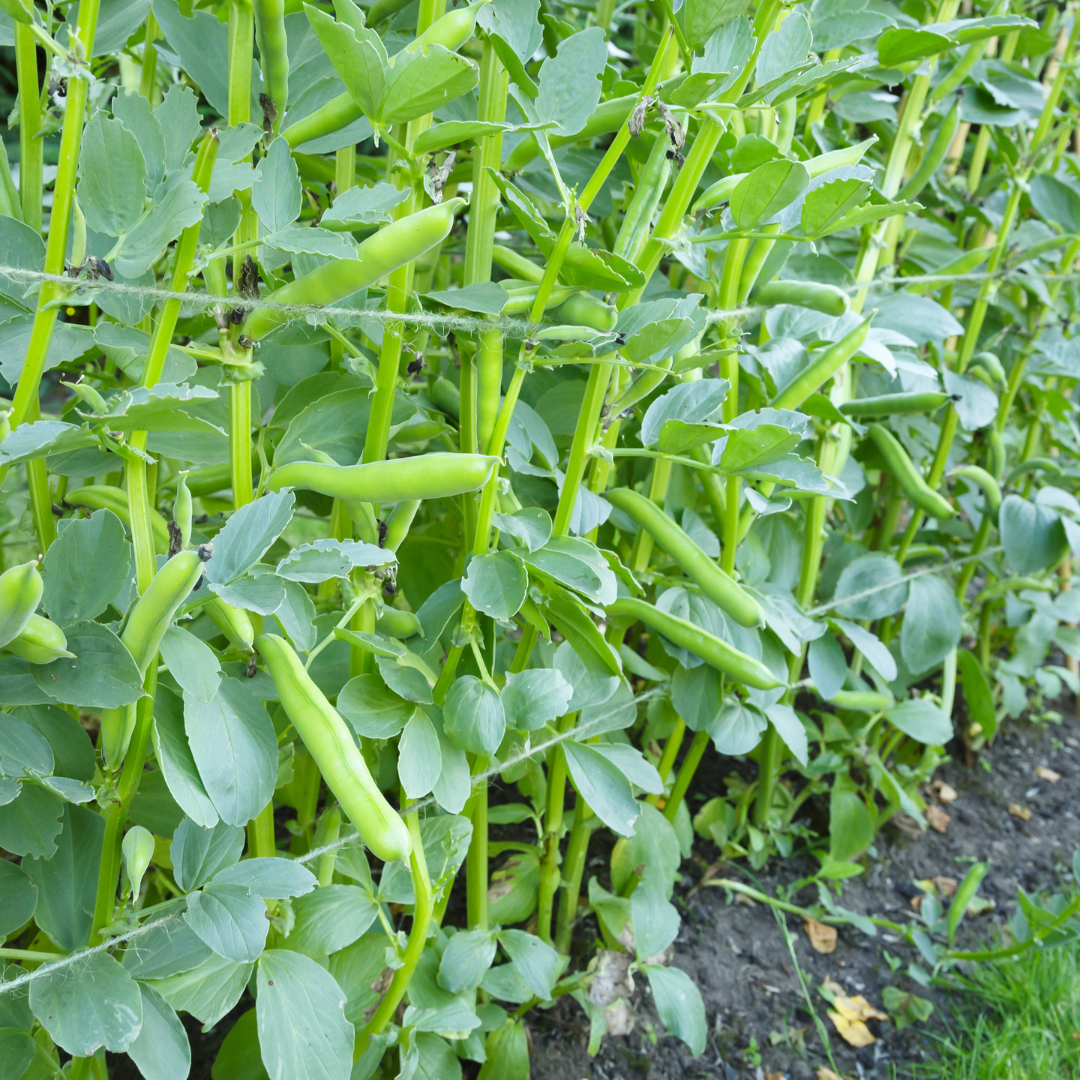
column 862, row 700
column 398, row 523
column 895, row 404
column 717, row 193
column 146, row 625
column 446, row 396
column 643, row 385
column 451, row 31
column 154, row 610
column 1035, row 464
column 20, row 593
column 40, row 641
column 106, row 497
column 991, row 489
column 823, row 368
column 521, row 300
column 427, row 476
column 233, row 622
column 336, row 114
column 907, row 476
column 273, row 53
column 584, row 309
column 743, row 669
column 515, row 263
column 726, row 593
column 988, row 362
column 399, row 243
column 333, row 746
column 934, row 156
column 808, row 294
column 397, row 624
column 182, row 509
column 634, row 230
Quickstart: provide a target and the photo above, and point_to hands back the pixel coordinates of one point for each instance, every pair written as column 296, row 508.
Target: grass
column 1015, row 1020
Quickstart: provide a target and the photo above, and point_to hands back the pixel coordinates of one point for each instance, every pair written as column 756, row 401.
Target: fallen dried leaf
column 1022, row 812
column 831, row 986
column 943, row 792
column 979, row 905
column 775, row 1075
column 907, row 825
column 946, row 885
column 916, row 903
column 746, row 901
column 937, row 819
column 1043, row 773
column 822, row 937
column 853, row 1032
column 825, row 1073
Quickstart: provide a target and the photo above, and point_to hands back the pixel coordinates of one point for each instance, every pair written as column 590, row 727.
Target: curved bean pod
column 726, row 593
column 716, row 653
column 333, row 746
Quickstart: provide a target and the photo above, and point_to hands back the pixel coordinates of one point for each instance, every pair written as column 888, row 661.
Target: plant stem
column 476, row 865
column 553, row 823
column 577, row 849
column 686, row 773
column 422, row 910
column 148, row 76
column 31, row 148
column 25, row 404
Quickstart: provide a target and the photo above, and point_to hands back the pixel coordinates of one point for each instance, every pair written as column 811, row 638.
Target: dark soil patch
column 737, row 955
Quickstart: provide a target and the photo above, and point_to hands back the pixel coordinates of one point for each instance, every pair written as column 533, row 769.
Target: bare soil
column 759, row 1023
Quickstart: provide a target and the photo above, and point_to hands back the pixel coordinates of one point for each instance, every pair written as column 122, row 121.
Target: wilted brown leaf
column 825, row 1073
column 945, row 885
column 1022, row 812
column 822, row 937
column 937, row 819
column 906, row 824
column 1043, row 773
column 619, row 1018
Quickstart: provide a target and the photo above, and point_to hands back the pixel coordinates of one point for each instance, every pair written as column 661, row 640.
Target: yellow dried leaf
column 943, row 792
column 1043, row 773
column 858, row 1008
column 825, row 1073
column 831, row 986
column 822, row 937
column 853, row 1032
column 1022, row 812
column 937, row 819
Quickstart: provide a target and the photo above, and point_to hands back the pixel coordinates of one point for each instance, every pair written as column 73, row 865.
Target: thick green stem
column 689, row 766
column 25, row 404
column 577, row 849
column 476, row 864
column 553, row 824
column 148, row 75
column 422, row 910
column 31, row 148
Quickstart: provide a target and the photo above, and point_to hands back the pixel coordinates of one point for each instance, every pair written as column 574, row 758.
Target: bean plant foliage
column 409, row 401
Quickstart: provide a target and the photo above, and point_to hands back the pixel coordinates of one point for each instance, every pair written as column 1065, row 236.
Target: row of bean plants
column 436, row 433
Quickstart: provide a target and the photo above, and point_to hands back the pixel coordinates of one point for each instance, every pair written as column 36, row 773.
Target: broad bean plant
column 433, row 431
